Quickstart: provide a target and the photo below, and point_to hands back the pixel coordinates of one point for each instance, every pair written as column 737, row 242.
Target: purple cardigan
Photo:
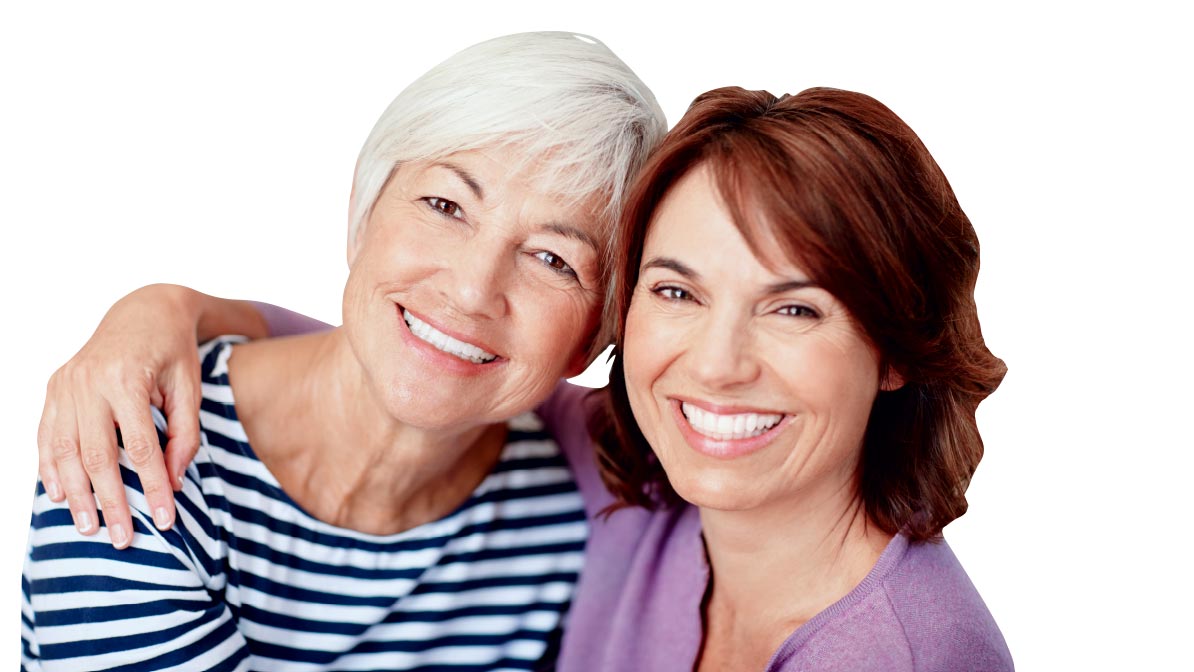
column 638, row 603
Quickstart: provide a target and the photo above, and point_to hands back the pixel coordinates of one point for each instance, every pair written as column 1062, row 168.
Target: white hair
column 575, row 111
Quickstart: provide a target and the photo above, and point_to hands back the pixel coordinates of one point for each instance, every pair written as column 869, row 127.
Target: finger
column 45, row 454
column 100, row 459
column 182, row 398
column 63, row 441
column 140, row 440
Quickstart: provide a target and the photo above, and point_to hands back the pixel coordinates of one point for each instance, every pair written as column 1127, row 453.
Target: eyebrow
column 672, row 265
column 569, row 231
column 691, row 274
column 465, row 177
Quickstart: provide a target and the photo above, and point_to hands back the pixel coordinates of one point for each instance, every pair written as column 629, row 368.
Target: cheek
column 636, row 346
column 555, row 326
column 641, row 366
column 355, row 298
column 655, row 338
column 838, row 380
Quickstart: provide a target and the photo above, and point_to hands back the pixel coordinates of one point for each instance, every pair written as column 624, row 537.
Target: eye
column 672, row 293
column 797, row 310
column 444, row 207
column 554, row 261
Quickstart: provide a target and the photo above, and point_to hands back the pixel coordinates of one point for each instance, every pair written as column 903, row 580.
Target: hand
column 143, row 353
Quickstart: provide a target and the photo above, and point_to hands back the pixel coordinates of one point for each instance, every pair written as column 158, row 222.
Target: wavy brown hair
column 849, row 193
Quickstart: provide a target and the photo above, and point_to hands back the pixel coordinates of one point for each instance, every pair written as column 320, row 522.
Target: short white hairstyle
column 572, row 107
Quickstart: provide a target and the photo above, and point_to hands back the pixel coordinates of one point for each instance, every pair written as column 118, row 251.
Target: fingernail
column 161, row 518
column 120, row 536
column 55, row 491
column 83, row 521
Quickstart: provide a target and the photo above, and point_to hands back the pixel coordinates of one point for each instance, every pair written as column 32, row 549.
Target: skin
column 481, row 254
column 145, row 362
column 712, row 324
column 477, row 252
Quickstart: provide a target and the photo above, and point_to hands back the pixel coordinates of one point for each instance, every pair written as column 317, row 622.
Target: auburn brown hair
column 849, row 193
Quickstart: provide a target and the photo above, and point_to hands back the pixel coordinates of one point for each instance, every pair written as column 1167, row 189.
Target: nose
column 722, row 353
column 477, row 278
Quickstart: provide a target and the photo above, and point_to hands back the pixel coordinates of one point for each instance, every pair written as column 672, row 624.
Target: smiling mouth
column 728, row 427
column 445, row 343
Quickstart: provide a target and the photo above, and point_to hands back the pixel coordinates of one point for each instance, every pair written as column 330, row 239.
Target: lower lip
column 440, row 359
column 724, row 449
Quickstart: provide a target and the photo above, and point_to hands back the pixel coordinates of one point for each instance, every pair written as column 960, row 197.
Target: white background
column 214, row 146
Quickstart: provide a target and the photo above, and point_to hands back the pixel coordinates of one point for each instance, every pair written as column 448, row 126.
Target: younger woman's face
column 752, row 384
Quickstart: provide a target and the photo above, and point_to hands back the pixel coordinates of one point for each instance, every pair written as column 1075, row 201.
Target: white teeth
column 728, row 427
column 444, row 342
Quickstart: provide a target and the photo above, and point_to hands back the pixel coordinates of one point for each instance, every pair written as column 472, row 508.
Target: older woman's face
column 752, row 384
column 470, row 294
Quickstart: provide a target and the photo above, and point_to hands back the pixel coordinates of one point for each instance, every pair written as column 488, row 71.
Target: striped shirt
column 246, row 580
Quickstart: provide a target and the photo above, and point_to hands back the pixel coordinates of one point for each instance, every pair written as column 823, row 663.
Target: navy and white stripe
column 247, row 581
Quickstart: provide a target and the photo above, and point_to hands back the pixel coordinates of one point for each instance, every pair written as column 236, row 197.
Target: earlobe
column 580, row 361
column 586, row 354
column 891, row 380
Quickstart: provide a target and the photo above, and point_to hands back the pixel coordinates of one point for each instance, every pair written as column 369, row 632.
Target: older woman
column 377, row 496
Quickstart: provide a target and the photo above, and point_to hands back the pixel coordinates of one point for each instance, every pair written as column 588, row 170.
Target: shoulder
column 166, row 585
column 213, row 358
column 566, row 416
column 568, row 405
column 916, row 612
column 638, row 604
column 945, row 620
column 197, row 539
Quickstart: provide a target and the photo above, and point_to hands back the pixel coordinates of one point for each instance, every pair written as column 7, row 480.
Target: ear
column 586, row 353
column 582, row 358
column 579, row 363
column 891, row 380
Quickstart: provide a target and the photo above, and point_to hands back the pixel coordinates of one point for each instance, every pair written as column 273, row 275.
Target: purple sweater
column 638, row 603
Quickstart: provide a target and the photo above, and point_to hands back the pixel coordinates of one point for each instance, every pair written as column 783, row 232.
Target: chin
column 716, row 490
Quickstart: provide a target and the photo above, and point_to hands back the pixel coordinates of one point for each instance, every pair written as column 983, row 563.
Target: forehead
column 693, row 222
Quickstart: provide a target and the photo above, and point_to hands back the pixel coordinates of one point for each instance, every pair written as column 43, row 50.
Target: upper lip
column 726, row 409
column 471, row 339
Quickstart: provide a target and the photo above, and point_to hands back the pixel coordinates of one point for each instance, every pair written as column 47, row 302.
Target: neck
column 322, row 431
column 775, row 567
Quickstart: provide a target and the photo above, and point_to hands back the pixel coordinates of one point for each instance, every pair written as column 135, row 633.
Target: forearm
column 210, row 316
column 214, row 316
column 282, row 322
column 228, row 316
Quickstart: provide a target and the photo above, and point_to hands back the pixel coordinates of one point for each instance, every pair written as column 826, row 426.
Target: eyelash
column 672, row 293
column 802, row 311
column 438, row 205
column 565, row 270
